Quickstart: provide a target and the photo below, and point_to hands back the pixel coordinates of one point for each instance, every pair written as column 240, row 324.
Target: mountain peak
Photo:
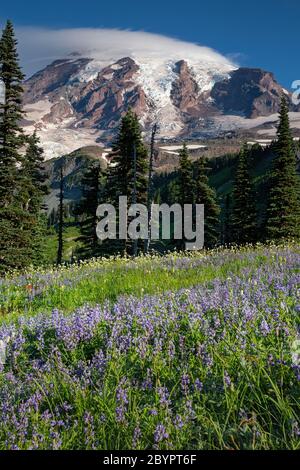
column 251, row 92
column 80, row 100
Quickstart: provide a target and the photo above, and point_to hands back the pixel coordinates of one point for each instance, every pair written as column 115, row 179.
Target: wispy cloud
column 39, row 46
column 237, row 57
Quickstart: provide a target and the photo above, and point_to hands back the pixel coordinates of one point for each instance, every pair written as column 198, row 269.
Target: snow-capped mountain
column 80, row 100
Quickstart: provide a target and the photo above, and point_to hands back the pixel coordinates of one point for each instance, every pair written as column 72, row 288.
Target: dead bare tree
column 149, row 192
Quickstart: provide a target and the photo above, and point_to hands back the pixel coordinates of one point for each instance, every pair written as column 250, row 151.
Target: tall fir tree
column 34, row 189
column 283, row 211
column 92, row 190
column 15, row 240
column 124, row 175
column 244, row 215
column 206, row 195
column 186, row 186
column 11, row 136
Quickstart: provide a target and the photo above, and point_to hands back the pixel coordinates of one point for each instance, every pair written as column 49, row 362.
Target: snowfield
column 57, row 139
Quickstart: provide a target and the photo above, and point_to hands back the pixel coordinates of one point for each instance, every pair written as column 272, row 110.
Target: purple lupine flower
column 227, row 379
column 160, row 433
column 189, row 410
column 122, row 395
column 178, row 422
column 136, row 436
column 147, row 383
column 163, row 394
column 185, row 381
column 89, row 430
column 171, row 350
column 198, row 385
column 120, row 414
column 264, row 328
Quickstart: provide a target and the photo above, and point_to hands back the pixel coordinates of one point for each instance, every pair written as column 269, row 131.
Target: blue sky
column 263, row 33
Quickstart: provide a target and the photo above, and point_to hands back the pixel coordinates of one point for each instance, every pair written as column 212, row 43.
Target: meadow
column 197, row 351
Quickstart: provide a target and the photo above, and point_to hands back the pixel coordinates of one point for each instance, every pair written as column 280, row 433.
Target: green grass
column 70, row 234
column 97, row 281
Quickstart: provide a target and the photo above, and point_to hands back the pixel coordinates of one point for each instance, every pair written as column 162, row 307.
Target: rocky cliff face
column 53, row 80
column 248, row 92
column 102, row 102
column 185, row 90
column 78, row 101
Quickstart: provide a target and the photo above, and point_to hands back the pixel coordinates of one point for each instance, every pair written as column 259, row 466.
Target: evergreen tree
column 11, row 138
column 283, row 211
column 92, row 184
column 244, row 217
column 15, row 239
column 207, row 196
column 185, row 179
column 33, row 173
column 186, row 186
column 125, row 175
column 33, row 191
column 60, row 240
column 122, row 173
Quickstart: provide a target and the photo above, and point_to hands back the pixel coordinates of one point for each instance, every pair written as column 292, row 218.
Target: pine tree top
column 183, row 152
column 283, row 128
column 10, row 70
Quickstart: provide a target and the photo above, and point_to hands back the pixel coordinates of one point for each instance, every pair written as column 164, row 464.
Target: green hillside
column 221, row 178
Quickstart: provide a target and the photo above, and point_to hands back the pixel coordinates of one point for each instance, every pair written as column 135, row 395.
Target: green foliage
column 283, row 212
column 186, row 185
column 34, row 189
column 124, row 175
column 206, row 195
column 14, row 221
column 92, row 192
column 11, row 138
column 121, row 176
column 96, row 281
column 226, row 228
column 244, row 216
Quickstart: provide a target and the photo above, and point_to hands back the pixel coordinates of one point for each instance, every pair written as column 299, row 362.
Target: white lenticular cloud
column 38, row 46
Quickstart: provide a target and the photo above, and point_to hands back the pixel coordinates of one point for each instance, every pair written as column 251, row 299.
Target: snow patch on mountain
column 207, row 74
column 156, row 76
column 230, row 122
column 90, row 72
column 62, row 140
column 35, row 112
column 156, row 79
column 59, row 138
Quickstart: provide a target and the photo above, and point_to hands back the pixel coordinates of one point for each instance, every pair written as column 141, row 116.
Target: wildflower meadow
column 198, row 351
